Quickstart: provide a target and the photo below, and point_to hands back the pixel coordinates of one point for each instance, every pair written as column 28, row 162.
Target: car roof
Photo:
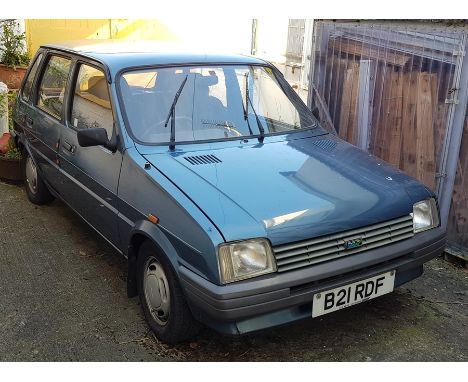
column 118, row 55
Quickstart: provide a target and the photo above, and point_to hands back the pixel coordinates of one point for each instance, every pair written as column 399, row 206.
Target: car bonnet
column 291, row 189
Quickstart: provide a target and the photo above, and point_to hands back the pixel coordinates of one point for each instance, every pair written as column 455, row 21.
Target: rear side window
column 91, row 102
column 52, row 88
column 26, row 92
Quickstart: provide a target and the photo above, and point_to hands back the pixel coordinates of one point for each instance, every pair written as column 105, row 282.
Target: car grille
column 325, row 248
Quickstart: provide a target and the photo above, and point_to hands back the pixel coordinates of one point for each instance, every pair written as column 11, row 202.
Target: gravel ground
column 63, row 298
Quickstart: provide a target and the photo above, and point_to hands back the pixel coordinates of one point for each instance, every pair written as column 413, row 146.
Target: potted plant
column 13, row 56
column 10, row 155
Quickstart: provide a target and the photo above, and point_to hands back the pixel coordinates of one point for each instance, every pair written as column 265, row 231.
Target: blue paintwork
column 330, row 189
column 291, row 187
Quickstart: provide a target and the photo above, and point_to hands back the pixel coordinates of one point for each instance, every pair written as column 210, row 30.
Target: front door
column 92, row 172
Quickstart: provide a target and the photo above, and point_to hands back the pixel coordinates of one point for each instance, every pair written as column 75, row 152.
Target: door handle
column 69, row 147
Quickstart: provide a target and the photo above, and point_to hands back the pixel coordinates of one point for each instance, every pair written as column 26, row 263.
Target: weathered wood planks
column 457, row 232
column 425, row 105
column 349, row 104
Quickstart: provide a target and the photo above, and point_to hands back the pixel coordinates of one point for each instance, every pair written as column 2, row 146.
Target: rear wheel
column 36, row 189
column 161, row 297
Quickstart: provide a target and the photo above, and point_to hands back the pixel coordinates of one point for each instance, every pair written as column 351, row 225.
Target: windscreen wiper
column 172, row 114
column 247, row 96
column 246, row 106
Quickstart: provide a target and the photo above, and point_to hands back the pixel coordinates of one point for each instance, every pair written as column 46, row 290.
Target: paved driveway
column 62, row 297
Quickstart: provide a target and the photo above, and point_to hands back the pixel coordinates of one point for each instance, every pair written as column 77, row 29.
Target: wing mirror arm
column 112, row 143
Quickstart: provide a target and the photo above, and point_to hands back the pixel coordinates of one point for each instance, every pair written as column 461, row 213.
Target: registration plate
column 352, row 294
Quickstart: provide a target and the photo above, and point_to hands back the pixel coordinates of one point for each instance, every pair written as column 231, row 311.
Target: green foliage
column 12, row 95
column 12, row 45
column 3, row 107
column 9, row 106
column 12, row 151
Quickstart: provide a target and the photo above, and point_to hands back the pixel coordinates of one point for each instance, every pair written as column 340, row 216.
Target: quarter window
column 26, row 92
column 53, row 83
column 91, row 101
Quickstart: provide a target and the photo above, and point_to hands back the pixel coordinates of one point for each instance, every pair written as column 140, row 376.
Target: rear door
column 46, row 122
column 25, row 111
column 92, row 172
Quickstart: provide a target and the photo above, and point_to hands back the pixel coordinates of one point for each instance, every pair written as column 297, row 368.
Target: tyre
column 36, row 190
column 161, row 297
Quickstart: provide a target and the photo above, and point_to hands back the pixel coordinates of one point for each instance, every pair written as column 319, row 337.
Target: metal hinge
column 440, row 174
column 453, row 101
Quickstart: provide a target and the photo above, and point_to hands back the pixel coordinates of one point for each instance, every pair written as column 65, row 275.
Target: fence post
column 453, row 135
column 365, row 96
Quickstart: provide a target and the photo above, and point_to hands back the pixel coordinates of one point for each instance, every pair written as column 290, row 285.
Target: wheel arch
column 23, row 145
column 141, row 232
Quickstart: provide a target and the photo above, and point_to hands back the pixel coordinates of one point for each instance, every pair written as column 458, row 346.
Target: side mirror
column 316, row 113
column 96, row 136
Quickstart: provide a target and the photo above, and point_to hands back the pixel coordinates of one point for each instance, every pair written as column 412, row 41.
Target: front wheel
column 36, row 190
column 161, row 297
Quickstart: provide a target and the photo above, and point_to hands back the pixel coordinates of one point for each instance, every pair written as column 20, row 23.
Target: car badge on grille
column 353, row 243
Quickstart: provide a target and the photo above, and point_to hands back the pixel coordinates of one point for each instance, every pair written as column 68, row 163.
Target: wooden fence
column 391, row 90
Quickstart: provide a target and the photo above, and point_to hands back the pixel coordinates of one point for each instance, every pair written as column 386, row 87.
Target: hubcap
column 156, row 290
column 31, row 175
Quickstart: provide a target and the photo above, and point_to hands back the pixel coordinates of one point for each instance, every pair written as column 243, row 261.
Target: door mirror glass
column 96, row 136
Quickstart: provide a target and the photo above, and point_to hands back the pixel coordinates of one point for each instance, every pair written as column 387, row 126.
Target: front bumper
column 279, row 298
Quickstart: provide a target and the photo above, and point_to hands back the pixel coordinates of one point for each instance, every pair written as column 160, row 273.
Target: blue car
column 232, row 206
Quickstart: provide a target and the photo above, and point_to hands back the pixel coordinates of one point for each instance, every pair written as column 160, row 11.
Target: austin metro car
column 233, row 207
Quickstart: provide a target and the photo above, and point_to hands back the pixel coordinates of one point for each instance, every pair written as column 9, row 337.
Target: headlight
column 425, row 215
column 245, row 259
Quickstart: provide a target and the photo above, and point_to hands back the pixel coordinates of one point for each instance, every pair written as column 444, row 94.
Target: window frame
column 78, row 62
column 48, row 57
column 32, row 94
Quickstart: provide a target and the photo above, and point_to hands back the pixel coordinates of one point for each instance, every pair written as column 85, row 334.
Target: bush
column 12, row 45
column 12, row 151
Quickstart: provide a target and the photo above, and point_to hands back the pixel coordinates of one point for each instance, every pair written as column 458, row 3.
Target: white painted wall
column 272, row 39
column 215, row 34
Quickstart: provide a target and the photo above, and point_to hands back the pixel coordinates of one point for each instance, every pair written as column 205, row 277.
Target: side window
column 26, row 92
column 91, row 101
column 52, row 88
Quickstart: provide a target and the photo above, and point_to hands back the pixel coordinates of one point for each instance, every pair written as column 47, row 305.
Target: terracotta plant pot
column 11, row 170
column 12, row 77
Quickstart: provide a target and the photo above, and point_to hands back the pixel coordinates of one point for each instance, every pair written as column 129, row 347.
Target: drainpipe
column 253, row 45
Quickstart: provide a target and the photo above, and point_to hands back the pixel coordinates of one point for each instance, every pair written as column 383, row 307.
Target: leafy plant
column 12, row 95
column 8, row 107
column 12, row 151
column 3, row 105
column 12, row 45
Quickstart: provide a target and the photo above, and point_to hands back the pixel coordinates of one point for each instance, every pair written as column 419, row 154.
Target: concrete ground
column 63, row 298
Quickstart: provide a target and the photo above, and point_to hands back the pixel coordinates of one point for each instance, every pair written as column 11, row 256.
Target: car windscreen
column 214, row 103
